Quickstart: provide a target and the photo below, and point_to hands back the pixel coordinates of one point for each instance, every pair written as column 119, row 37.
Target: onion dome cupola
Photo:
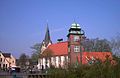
column 75, row 29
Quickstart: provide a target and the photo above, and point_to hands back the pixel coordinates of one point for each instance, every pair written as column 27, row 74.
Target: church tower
column 47, row 41
column 75, row 36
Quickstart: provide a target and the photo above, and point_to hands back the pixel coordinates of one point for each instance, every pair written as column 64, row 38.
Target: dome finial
column 74, row 21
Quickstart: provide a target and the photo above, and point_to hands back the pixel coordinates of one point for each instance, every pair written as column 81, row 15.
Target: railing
column 22, row 75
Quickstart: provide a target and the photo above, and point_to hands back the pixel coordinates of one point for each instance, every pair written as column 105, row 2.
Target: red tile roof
column 60, row 48
column 97, row 55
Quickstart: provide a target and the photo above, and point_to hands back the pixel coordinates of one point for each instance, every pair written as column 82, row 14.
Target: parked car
column 15, row 69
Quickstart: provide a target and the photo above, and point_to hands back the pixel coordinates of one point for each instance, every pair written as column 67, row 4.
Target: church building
column 70, row 52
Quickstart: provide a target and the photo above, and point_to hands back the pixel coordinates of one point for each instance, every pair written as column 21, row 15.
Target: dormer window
column 76, row 38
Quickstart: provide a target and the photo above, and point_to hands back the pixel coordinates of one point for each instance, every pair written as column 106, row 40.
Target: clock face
column 76, row 38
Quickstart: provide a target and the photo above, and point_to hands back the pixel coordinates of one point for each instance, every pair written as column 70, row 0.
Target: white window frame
column 76, row 48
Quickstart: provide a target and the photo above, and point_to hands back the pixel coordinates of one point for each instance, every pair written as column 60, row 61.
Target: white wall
column 56, row 61
column 43, row 62
column 62, row 60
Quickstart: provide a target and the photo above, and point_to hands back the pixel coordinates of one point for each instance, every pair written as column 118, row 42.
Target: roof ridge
column 57, row 43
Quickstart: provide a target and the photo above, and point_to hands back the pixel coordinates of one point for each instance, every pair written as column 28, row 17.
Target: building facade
column 7, row 60
column 61, row 54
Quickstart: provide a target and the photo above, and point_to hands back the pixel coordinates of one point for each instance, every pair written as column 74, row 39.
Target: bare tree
column 96, row 45
column 36, row 48
column 115, row 44
column 23, row 60
column 36, row 52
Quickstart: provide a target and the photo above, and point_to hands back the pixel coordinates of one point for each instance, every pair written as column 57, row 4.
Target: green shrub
column 97, row 70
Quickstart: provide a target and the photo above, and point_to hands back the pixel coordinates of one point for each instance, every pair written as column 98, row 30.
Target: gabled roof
column 8, row 55
column 60, row 48
column 0, row 51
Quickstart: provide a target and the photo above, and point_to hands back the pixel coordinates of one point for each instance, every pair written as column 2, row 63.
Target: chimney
column 59, row 40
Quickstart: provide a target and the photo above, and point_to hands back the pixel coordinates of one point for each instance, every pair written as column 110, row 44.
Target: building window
column 6, row 65
column 76, row 48
column 76, row 38
column 54, row 59
column 68, row 48
column 3, row 65
column 1, row 59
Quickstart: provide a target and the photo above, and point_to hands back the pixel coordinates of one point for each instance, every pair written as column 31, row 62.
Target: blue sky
column 23, row 22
